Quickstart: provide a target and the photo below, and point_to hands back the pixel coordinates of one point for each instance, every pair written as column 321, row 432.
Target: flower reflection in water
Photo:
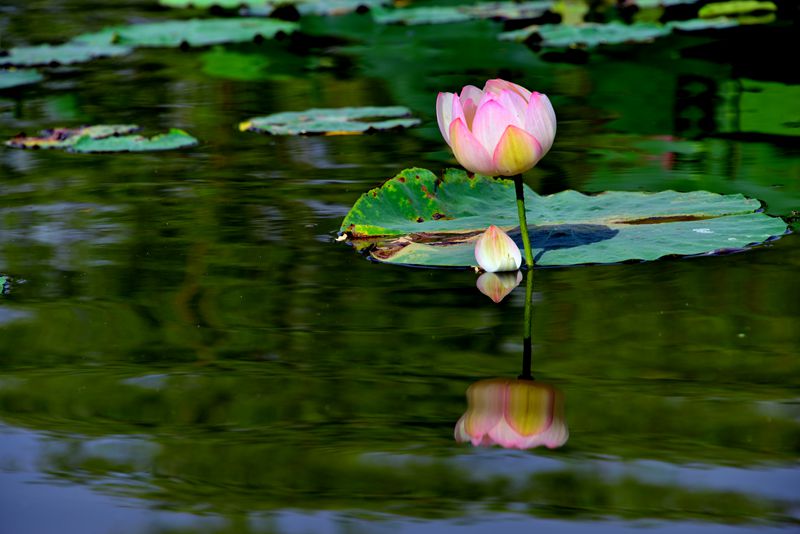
column 514, row 414
column 497, row 286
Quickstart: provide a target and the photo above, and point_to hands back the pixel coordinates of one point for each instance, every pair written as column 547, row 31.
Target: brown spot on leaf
column 427, row 193
column 437, row 216
column 665, row 219
column 401, row 179
column 420, row 219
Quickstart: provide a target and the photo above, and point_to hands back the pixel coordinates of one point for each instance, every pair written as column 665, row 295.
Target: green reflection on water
column 180, row 328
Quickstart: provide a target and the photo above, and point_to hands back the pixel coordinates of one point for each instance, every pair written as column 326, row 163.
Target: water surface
column 185, row 349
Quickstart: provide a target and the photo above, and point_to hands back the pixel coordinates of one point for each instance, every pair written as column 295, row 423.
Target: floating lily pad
column 103, row 138
column 318, row 7
column 66, row 137
column 421, row 15
column 175, row 138
column 664, row 3
column 734, row 8
column 5, row 284
column 336, row 7
column 206, row 4
column 417, row 218
column 66, row 54
column 194, row 32
column 450, row 14
column 588, row 35
column 266, row 7
column 336, row 121
column 691, row 25
column 15, row 77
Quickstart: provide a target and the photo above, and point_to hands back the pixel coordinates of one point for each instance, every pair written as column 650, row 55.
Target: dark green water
column 183, row 347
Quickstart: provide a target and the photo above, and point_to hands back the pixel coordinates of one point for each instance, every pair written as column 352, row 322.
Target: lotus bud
column 496, row 252
column 515, row 414
column 498, row 286
column 500, row 130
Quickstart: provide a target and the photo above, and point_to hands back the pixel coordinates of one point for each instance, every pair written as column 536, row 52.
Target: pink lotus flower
column 503, row 130
column 496, row 252
column 515, row 414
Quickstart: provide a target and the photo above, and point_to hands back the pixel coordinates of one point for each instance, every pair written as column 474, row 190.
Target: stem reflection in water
column 516, row 413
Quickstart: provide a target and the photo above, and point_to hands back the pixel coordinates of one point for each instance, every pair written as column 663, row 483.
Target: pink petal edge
column 444, row 113
column 469, row 151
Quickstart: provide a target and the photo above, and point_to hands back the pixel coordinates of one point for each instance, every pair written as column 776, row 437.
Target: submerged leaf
column 227, row 64
column 335, row 121
column 103, row 138
column 770, row 108
column 16, row 77
column 417, row 218
column 194, row 32
column 66, row 54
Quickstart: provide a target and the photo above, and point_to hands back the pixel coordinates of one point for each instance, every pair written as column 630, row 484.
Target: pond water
column 184, row 347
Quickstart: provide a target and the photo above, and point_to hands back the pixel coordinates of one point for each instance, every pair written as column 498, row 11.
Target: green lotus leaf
column 336, row 7
column 642, row 4
column 588, row 35
column 335, row 121
column 420, row 15
column 65, row 54
column 225, row 4
column 691, row 25
column 734, row 8
column 174, row 139
column 632, row 162
column 266, row 7
column 66, row 137
column 103, row 138
column 193, row 32
column 16, row 77
column 450, row 14
column 417, row 218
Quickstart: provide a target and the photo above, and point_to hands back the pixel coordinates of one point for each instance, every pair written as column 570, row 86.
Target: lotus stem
column 523, row 222
column 527, row 351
